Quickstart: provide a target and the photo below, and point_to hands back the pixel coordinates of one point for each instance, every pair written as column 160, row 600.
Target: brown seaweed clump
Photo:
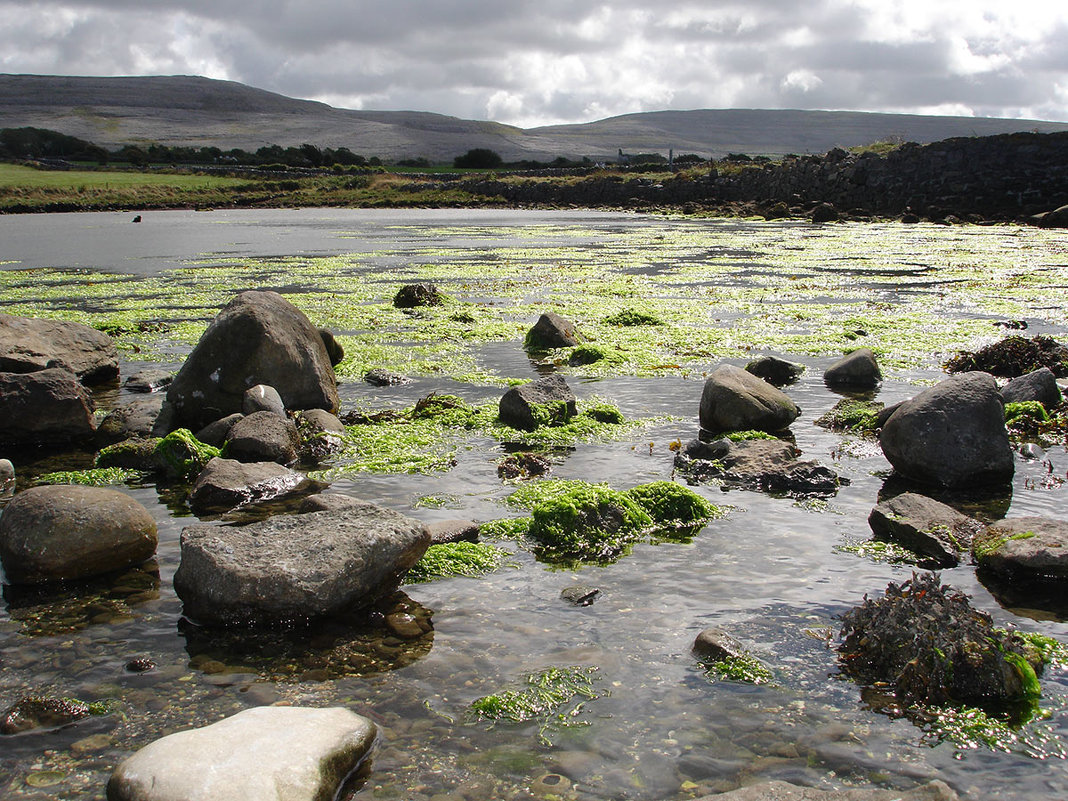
column 926, row 641
column 1014, row 356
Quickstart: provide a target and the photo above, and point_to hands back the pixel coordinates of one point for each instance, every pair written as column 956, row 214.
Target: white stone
column 260, row 754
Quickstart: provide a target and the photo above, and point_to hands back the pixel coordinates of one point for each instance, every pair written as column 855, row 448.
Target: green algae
column 970, row 728
column 850, row 415
column 743, row 668
column 456, row 559
column 554, row 697
column 878, row 551
column 183, row 455
column 671, row 504
column 747, row 435
column 1033, row 410
column 93, row 477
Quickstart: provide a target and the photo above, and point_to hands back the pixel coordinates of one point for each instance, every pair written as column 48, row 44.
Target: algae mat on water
column 703, row 289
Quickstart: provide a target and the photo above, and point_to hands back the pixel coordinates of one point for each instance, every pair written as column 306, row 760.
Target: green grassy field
column 15, row 175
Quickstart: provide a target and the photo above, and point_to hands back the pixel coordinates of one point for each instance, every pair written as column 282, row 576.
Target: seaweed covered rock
column 28, row 345
column 734, row 400
column 1014, row 356
column 47, row 407
column 552, row 331
column 321, row 434
column 951, row 435
column 594, row 522
column 937, row 532
column 181, row 455
column 927, row 641
column 777, row 372
column 58, row 532
column 1024, row 548
column 42, row 712
column 852, row 415
column 545, row 402
column 856, row 370
column 276, row 752
column 258, row 338
column 411, row 296
column 588, row 521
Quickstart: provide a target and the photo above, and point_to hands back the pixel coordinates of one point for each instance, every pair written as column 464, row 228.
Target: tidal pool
column 775, row 571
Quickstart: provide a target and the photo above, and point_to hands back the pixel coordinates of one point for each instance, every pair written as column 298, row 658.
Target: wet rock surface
column 47, row 407
column 29, row 345
column 293, row 568
column 291, row 753
column 552, row 331
column 857, row 369
column 227, row 484
column 547, row 401
column 52, row 533
column 258, row 338
column 951, row 435
column 784, row 791
column 734, row 400
column 1034, row 548
column 932, row 529
column 263, row 436
column 777, row 372
column 761, row 465
column 1038, row 385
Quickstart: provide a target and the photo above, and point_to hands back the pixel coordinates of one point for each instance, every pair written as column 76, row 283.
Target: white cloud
column 531, row 62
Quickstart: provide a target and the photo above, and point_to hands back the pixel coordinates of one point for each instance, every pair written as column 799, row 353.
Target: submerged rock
column 734, row 400
column 951, row 435
column 715, row 644
column 258, row 338
column 380, row 377
column 546, row 402
column 148, row 381
column 41, row 712
column 268, row 752
column 784, row 791
column 294, row 568
column 47, row 407
column 926, row 527
column 28, row 345
column 57, row 532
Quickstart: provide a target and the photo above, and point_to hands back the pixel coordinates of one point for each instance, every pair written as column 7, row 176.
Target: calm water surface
column 773, row 572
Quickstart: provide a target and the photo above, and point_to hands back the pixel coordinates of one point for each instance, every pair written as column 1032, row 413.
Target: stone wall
column 1011, row 176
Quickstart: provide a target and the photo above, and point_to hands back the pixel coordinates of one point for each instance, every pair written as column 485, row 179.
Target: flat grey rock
column 926, row 526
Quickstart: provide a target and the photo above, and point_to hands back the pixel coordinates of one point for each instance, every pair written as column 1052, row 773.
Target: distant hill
column 188, row 110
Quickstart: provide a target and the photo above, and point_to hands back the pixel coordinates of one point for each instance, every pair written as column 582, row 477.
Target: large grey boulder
column 263, row 437
column 951, row 435
column 784, row 791
column 226, row 484
column 925, row 526
column 1038, row 385
column 547, row 401
column 52, row 533
column 293, row 568
column 857, row 369
column 258, row 338
column 734, row 400
column 1034, row 548
column 48, row 407
column 270, row 752
column 28, row 345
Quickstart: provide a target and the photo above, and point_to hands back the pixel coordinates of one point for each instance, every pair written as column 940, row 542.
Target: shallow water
column 772, row 571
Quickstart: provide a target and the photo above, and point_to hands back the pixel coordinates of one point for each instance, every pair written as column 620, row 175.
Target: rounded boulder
column 52, row 533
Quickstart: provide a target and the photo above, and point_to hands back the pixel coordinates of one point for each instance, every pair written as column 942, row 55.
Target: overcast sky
column 535, row 62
